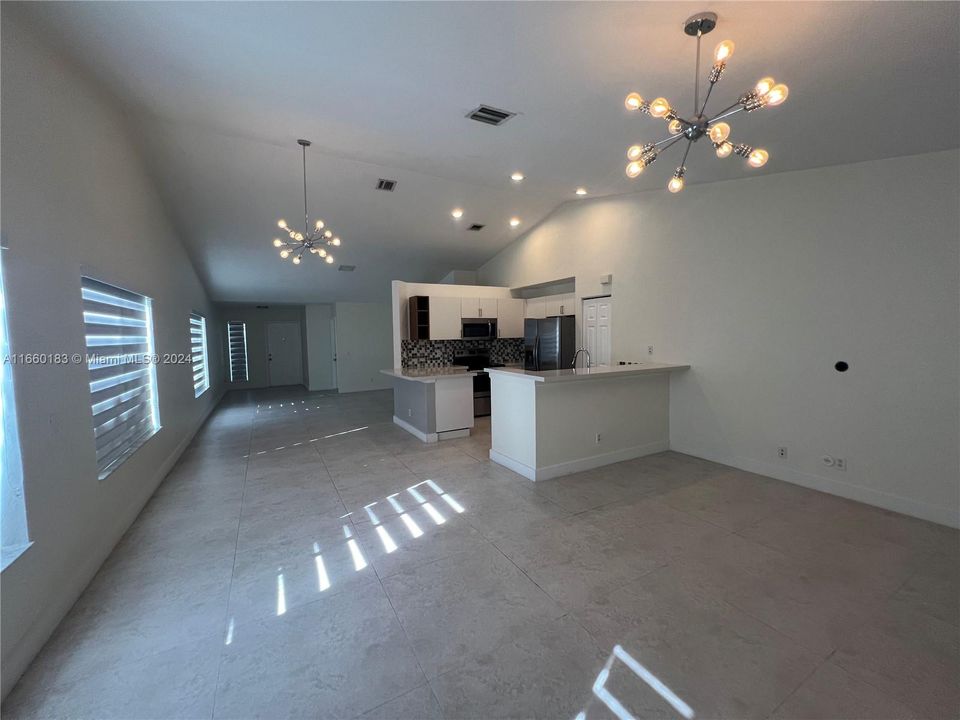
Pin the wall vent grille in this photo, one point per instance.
(386, 185)
(347, 268)
(476, 227)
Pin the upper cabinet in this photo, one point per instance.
(560, 305)
(535, 309)
(510, 314)
(445, 318)
(478, 307)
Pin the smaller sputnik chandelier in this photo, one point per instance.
(314, 239)
(766, 93)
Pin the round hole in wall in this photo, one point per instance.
(841, 366)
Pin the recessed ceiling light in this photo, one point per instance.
(514, 221)
(517, 177)
(581, 191)
(457, 213)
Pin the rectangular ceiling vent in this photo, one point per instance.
(386, 185)
(490, 115)
(476, 227)
(347, 268)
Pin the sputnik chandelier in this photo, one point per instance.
(315, 239)
(766, 93)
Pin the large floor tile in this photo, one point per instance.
(464, 605)
(718, 660)
(545, 670)
(417, 704)
(330, 659)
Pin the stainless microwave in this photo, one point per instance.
(478, 328)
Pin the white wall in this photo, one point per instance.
(318, 344)
(403, 291)
(363, 346)
(76, 199)
(762, 284)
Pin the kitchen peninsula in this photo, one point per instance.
(550, 423)
(433, 403)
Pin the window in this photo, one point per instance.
(198, 353)
(13, 513)
(237, 342)
(123, 377)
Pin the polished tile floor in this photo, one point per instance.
(306, 558)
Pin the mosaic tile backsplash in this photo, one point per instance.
(438, 353)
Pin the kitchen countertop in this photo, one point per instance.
(594, 373)
(429, 375)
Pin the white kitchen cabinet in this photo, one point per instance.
(444, 318)
(509, 318)
(560, 305)
(535, 308)
(478, 307)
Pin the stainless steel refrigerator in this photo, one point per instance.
(549, 343)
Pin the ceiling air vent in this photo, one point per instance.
(490, 115)
(386, 185)
(476, 227)
(347, 268)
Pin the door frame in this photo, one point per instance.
(267, 344)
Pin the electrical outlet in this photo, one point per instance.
(781, 452)
(649, 349)
(828, 460)
(598, 438)
(409, 412)
(840, 463)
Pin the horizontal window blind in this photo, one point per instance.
(198, 354)
(237, 342)
(123, 379)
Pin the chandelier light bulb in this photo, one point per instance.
(659, 107)
(296, 260)
(282, 223)
(634, 152)
(284, 254)
(723, 51)
(322, 253)
(517, 177)
(634, 169)
(724, 149)
(335, 241)
(758, 158)
(633, 101)
(514, 221)
(675, 127)
(675, 185)
(313, 250)
(581, 191)
(764, 85)
(319, 224)
(457, 213)
(329, 259)
(328, 234)
(719, 132)
(277, 242)
(778, 93)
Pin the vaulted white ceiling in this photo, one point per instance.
(219, 93)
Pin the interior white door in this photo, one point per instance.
(284, 353)
(597, 317)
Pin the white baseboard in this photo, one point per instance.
(888, 501)
(573, 466)
(425, 437)
(454, 434)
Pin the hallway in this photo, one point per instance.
(307, 558)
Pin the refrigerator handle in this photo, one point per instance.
(536, 353)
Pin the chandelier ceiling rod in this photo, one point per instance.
(306, 215)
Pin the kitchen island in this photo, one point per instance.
(433, 403)
(549, 423)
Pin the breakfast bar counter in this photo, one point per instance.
(433, 403)
(549, 423)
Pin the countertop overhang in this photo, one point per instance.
(429, 375)
(594, 373)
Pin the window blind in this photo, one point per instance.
(198, 354)
(237, 342)
(123, 379)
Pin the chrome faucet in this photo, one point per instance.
(577, 354)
